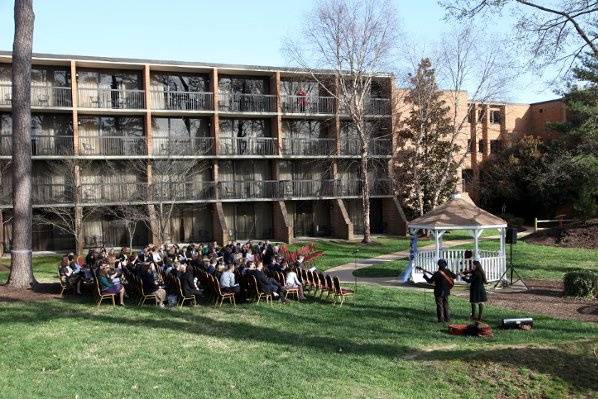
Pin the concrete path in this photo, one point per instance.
(345, 272)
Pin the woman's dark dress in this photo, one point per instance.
(477, 292)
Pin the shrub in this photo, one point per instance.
(581, 283)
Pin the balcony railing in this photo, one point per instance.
(376, 147)
(111, 98)
(308, 146)
(378, 106)
(52, 194)
(239, 102)
(41, 96)
(52, 97)
(380, 147)
(183, 191)
(140, 192)
(46, 145)
(307, 105)
(248, 146)
(182, 100)
(372, 107)
(186, 146)
(123, 192)
(112, 145)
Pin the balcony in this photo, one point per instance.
(102, 98)
(41, 96)
(307, 105)
(42, 194)
(248, 146)
(183, 191)
(376, 147)
(112, 145)
(380, 147)
(41, 145)
(308, 146)
(182, 101)
(378, 106)
(99, 193)
(183, 146)
(142, 193)
(239, 102)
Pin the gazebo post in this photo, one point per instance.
(438, 240)
(476, 239)
(502, 233)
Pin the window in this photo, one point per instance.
(495, 146)
(481, 146)
(470, 145)
(541, 110)
(481, 115)
(467, 176)
(495, 116)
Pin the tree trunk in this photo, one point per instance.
(1, 233)
(365, 194)
(79, 238)
(21, 272)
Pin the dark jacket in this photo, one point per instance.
(149, 283)
(188, 283)
(477, 291)
(441, 286)
(266, 284)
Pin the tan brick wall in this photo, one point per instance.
(543, 113)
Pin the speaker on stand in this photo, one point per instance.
(507, 278)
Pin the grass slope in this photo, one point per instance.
(545, 262)
(339, 252)
(387, 345)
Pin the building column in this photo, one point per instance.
(221, 233)
(215, 127)
(395, 220)
(154, 228)
(340, 221)
(283, 230)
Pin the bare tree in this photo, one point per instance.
(59, 213)
(355, 40)
(21, 271)
(554, 31)
(469, 61)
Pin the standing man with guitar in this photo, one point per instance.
(443, 280)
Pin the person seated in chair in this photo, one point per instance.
(188, 281)
(69, 276)
(107, 286)
(292, 281)
(150, 286)
(269, 285)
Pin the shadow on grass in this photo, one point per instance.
(577, 370)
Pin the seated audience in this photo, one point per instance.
(292, 281)
(108, 286)
(150, 285)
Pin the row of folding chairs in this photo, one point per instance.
(314, 281)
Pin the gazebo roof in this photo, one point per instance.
(457, 213)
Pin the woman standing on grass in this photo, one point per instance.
(477, 293)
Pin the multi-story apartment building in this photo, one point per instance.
(232, 152)
(493, 126)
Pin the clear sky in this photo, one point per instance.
(219, 31)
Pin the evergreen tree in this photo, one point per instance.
(424, 141)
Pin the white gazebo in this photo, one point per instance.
(459, 213)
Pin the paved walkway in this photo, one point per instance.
(345, 272)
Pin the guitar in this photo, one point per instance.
(449, 280)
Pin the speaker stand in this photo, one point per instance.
(510, 272)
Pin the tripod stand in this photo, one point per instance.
(510, 271)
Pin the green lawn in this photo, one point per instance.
(45, 268)
(386, 345)
(385, 269)
(339, 252)
(546, 262)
